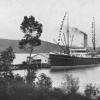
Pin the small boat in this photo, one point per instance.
(73, 58)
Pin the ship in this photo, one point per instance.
(73, 58)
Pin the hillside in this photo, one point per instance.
(45, 47)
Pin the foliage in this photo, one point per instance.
(29, 25)
(18, 79)
(57, 94)
(44, 81)
(6, 58)
(7, 76)
(27, 92)
(32, 77)
(76, 96)
(7, 81)
(29, 42)
(71, 84)
(91, 91)
(18, 90)
(32, 30)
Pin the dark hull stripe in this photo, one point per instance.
(65, 60)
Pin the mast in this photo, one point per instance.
(67, 51)
(68, 35)
(61, 27)
(60, 32)
(93, 34)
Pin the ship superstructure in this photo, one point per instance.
(74, 57)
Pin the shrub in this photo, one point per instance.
(44, 81)
(71, 84)
(91, 91)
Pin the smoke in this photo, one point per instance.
(76, 30)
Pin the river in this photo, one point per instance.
(86, 76)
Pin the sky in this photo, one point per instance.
(50, 13)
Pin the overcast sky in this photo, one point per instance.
(50, 14)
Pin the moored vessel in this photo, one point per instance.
(77, 57)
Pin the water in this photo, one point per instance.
(86, 76)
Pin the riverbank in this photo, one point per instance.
(86, 76)
(16, 88)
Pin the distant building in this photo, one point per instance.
(40, 60)
(43, 56)
(39, 56)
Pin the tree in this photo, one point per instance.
(31, 78)
(6, 58)
(32, 30)
(71, 84)
(44, 81)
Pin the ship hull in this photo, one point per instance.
(61, 61)
(68, 68)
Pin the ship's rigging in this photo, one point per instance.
(93, 34)
(65, 37)
(64, 42)
(76, 57)
(61, 27)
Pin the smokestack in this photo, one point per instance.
(85, 38)
(85, 41)
(76, 30)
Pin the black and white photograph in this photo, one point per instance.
(49, 50)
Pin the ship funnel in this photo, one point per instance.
(85, 40)
(76, 30)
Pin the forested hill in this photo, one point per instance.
(45, 47)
